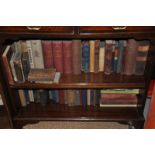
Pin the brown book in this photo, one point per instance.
(76, 59)
(96, 56)
(130, 57)
(62, 96)
(92, 56)
(67, 57)
(141, 58)
(41, 75)
(47, 54)
(6, 57)
(101, 56)
(70, 97)
(58, 56)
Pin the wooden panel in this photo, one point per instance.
(102, 29)
(89, 80)
(63, 112)
(34, 29)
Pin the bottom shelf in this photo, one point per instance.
(36, 112)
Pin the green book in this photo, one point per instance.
(122, 91)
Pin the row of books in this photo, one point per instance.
(82, 97)
(75, 56)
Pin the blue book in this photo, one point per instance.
(120, 56)
(85, 56)
(55, 96)
(84, 97)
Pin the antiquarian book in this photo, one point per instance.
(101, 56)
(92, 97)
(47, 53)
(108, 57)
(54, 96)
(58, 56)
(88, 97)
(96, 56)
(41, 75)
(22, 97)
(70, 97)
(27, 96)
(43, 97)
(97, 96)
(121, 91)
(141, 58)
(92, 56)
(67, 57)
(85, 56)
(37, 54)
(84, 97)
(62, 96)
(115, 57)
(76, 59)
(25, 64)
(6, 57)
(130, 57)
(77, 97)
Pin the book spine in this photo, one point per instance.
(22, 97)
(96, 56)
(37, 54)
(31, 95)
(70, 97)
(85, 56)
(76, 59)
(61, 97)
(101, 56)
(77, 97)
(116, 51)
(43, 97)
(88, 97)
(92, 97)
(92, 56)
(58, 56)
(84, 97)
(67, 57)
(47, 54)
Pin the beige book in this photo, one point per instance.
(88, 97)
(70, 97)
(101, 57)
(92, 56)
(37, 54)
(23, 45)
(22, 97)
(31, 95)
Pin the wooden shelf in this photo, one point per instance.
(89, 80)
(36, 112)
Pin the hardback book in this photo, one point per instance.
(6, 57)
(121, 91)
(22, 97)
(130, 57)
(97, 96)
(108, 57)
(141, 58)
(31, 95)
(96, 56)
(27, 96)
(101, 56)
(67, 57)
(92, 97)
(88, 97)
(23, 46)
(85, 56)
(92, 56)
(62, 96)
(70, 97)
(77, 97)
(58, 56)
(43, 97)
(37, 96)
(37, 54)
(54, 96)
(77, 54)
(47, 53)
(84, 97)
(41, 75)
(115, 57)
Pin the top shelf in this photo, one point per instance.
(89, 80)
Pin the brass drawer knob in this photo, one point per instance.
(119, 27)
(33, 28)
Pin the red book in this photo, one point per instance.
(150, 89)
(61, 96)
(47, 54)
(58, 56)
(67, 57)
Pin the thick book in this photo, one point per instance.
(130, 57)
(67, 57)
(58, 56)
(101, 56)
(37, 54)
(141, 58)
(6, 57)
(47, 54)
(85, 56)
(108, 57)
(92, 56)
(121, 91)
(76, 59)
(96, 56)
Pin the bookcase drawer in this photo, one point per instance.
(50, 29)
(102, 29)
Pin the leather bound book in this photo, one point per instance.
(141, 58)
(58, 56)
(37, 54)
(47, 53)
(92, 56)
(96, 56)
(85, 56)
(43, 97)
(6, 57)
(61, 97)
(77, 97)
(130, 57)
(101, 56)
(67, 57)
(70, 97)
(84, 97)
(108, 57)
(76, 59)
(88, 97)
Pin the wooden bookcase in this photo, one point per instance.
(33, 113)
